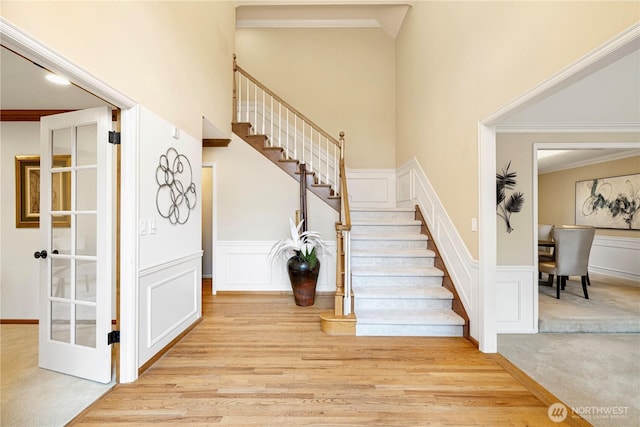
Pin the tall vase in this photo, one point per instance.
(303, 280)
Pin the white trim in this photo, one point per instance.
(618, 45)
(24, 44)
(28, 46)
(616, 257)
(600, 159)
(487, 251)
(129, 244)
(515, 290)
(371, 188)
(413, 187)
(568, 127)
(243, 266)
(214, 220)
(174, 262)
(615, 47)
(307, 23)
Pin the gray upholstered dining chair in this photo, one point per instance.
(545, 232)
(573, 246)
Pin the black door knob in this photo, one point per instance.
(42, 254)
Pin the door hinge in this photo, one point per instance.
(114, 137)
(113, 337)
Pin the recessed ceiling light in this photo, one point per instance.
(53, 78)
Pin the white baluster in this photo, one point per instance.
(271, 136)
(239, 96)
(279, 124)
(326, 159)
(264, 105)
(246, 104)
(255, 106)
(302, 143)
(287, 124)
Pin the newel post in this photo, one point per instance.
(338, 303)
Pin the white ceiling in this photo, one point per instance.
(23, 87)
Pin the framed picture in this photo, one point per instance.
(28, 191)
(612, 202)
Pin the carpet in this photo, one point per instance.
(611, 308)
(34, 397)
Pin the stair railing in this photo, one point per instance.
(303, 140)
(344, 307)
(286, 127)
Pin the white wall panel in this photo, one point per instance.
(371, 188)
(616, 256)
(516, 299)
(243, 266)
(170, 301)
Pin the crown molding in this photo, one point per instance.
(307, 23)
(569, 127)
(601, 159)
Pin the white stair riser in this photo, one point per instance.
(409, 330)
(396, 280)
(358, 261)
(382, 215)
(387, 228)
(401, 303)
(386, 244)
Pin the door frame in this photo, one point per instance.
(487, 259)
(24, 44)
(214, 220)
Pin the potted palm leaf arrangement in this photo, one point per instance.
(303, 265)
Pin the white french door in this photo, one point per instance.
(76, 234)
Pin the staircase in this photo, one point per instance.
(397, 289)
(291, 166)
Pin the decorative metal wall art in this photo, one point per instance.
(176, 195)
(612, 202)
(506, 206)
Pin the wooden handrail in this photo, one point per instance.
(239, 69)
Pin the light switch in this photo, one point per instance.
(152, 226)
(142, 227)
(474, 224)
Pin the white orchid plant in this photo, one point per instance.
(306, 245)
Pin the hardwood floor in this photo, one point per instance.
(259, 360)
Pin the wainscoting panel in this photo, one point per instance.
(169, 302)
(413, 188)
(616, 256)
(516, 300)
(371, 188)
(243, 266)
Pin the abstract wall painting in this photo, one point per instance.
(612, 202)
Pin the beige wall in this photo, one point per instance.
(341, 78)
(458, 62)
(516, 248)
(556, 191)
(173, 57)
